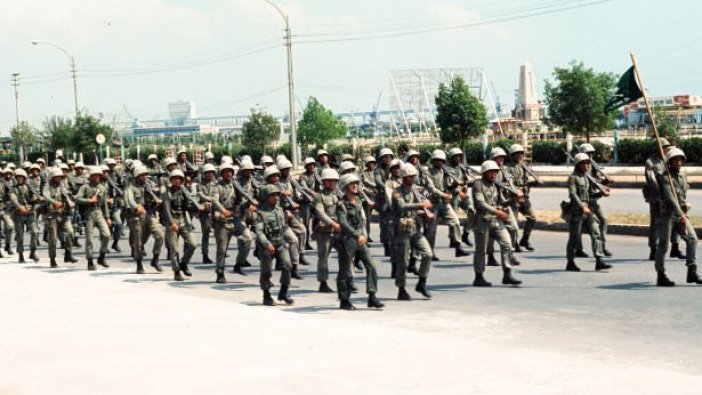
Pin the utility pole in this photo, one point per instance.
(75, 84)
(15, 84)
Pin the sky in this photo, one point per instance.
(228, 55)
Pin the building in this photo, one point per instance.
(528, 109)
(685, 109)
(180, 112)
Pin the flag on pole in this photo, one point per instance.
(628, 90)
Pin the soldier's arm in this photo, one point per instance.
(341, 214)
(13, 199)
(129, 200)
(46, 194)
(320, 212)
(668, 196)
(104, 207)
(261, 237)
(573, 191)
(167, 209)
(481, 204)
(82, 196)
(216, 204)
(403, 206)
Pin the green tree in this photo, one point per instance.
(23, 135)
(667, 125)
(260, 130)
(318, 125)
(460, 115)
(86, 128)
(577, 98)
(58, 133)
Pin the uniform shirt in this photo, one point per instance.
(325, 207)
(520, 177)
(351, 217)
(487, 198)
(55, 193)
(578, 190)
(87, 191)
(175, 205)
(21, 196)
(671, 205)
(368, 182)
(270, 225)
(309, 181)
(654, 169)
(77, 182)
(438, 183)
(405, 202)
(206, 192)
(134, 196)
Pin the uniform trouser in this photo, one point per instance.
(667, 224)
(116, 217)
(527, 211)
(224, 232)
(9, 224)
(172, 243)
(325, 243)
(53, 224)
(654, 210)
(511, 225)
(344, 278)
(155, 228)
(148, 224)
(300, 230)
(496, 230)
(598, 212)
(575, 225)
(467, 207)
(306, 218)
(22, 224)
(405, 243)
(206, 229)
(283, 259)
(385, 218)
(293, 246)
(444, 212)
(367, 210)
(76, 220)
(95, 219)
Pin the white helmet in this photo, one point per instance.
(22, 173)
(34, 166)
(348, 179)
(265, 159)
(152, 157)
(170, 161)
(245, 165)
(209, 155)
(284, 164)
(586, 148)
(182, 150)
(581, 157)
(395, 163)
(62, 166)
(488, 165)
(497, 152)
(56, 172)
(208, 167)
(368, 159)
(515, 148)
(80, 165)
(227, 166)
(386, 151)
(270, 170)
(176, 173)
(330, 174)
(455, 151)
(7, 170)
(410, 154)
(322, 152)
(110, 161)
(674, 152)
(228, 159)
(346, 166)
(139, 171)
(438, 155)
(310, 161)
(95, 171)
(408, 170)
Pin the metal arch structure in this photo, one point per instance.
(412, 93)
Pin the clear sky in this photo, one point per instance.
(227, 55)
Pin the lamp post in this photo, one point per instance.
(291, 103)
(73, 69)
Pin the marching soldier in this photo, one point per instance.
(392, 182)
(155, 169)
(176, 204)
(308, 180)
(490, 218)
(594, 203)
(370, 188)
(115, 192)
(322, 161)
(93, 198)
(206, 190)
(79, 179)
(383, 203)
(351, 219)
(504, 178)
(58, 216)
(673, 218)
(579, 191)
(327, 229)
(24, 198)
(183, 164)
(6, 187)
(406, 205)
(292, 195)
(520, 176)
(461, 197)
(271, 223)
(143, 204)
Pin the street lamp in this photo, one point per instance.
(291, 103)
(73, 69)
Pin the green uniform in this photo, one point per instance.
(308, 180)
(58, 219)
(371, 189)
(20, 196)
(226, 197)
(383, 202)
(95, 215)
(75, 183)
(520, 180)
(443, 211)
(270, 227)
(175, 208)
(405, 209)
(352, 219)
(325, 211)
(296, 223)
(672, 210)
(135, 195)
(205, 192)
(488, 199)
(6, 211)
(579, 193)
(462, 180)
(115, 193)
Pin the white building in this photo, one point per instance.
(181, 111)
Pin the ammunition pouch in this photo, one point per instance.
(406, 225)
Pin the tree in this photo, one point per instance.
(58, 133)
(23, 135)
(318, 125)
(460, 115)
(666, 124)
(577, 98)
(86, 128)
(260, 130)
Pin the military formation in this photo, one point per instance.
(276, 216)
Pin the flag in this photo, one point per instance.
(628, 90)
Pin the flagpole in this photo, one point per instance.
(653, 123)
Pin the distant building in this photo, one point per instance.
(180, 112)
(528, 110)
(685, 109)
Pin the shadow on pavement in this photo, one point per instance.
(629, 286)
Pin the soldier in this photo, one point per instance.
(327, 229)
(176, 204)
(171, 164)
(6, 187)
(24, 198)
(270, 227)
(520, 176)
(441, 187)
(461, 197)
(322, 161)
(308, 180)
(382, 201)
(351, 219)
(504, 179)
(184, 164)
(235, 211)
(393, 182)
(673, 218)
(143, 204)
(370, 188)
(594, 203)
(58, 216)
(579, 191)
(291, 194)
(206, 190)
(115, 192)
(93, 198)
(490, 218)
(406, 203)
(155, 169)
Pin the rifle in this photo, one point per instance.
(589, 176)
(245, 194)
(429, 215)
(33, 190)
(307, 194)
(531, 173)
(600, 171)
(114, 187)
(67, 197)
(287, 198)
(190, 197)
(148, 188)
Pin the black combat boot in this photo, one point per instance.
(357, 263)
(601, 265)
(492, 261)
(184, 268)
(402, 294)
(238, 269)
(369, 240)
(386, 249)
(345, 304)
(422, 287)
(220, 277)
(115, 246)
(525, 243)
(155, 264)
(284, 296)
(53, 264)
(374, 302)
(33, 256)
(466, 239)
(581, 254)
(101, 260)
(480, 281)
(462, 250)
(435, 258)
(663, 280)
(308, 247)
(325, 288)
(76, 242)
(140, 267)
(393, 270)
(675, 251)
(412, 267)
(294, 273)
(206, 259)
(517, 248)
(8, 249)
(571, 266)
(509, 279)
(303, 261)
(268, 299)
(652, 254)
(69, 258)
(246, 264)
(91, 265)
(606, 252)
(177, 276)
(454, 244)
(692, 276)
(21, 258)
(513, 260)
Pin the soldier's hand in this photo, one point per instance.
(226, 213)
(446, 197)
(288, 215)
(270, 250)
(362, 240)
(93, 199)
(682, 221)
(295, 206)
(159, 202)
(462, 195)
(109, 222)
(23, 210)
(140, 211)
(174, 227)
(371, 204)
(501, 215)
(58, 204)
(425, 204)
(336, 228)
(287, 193)
(587, 212)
